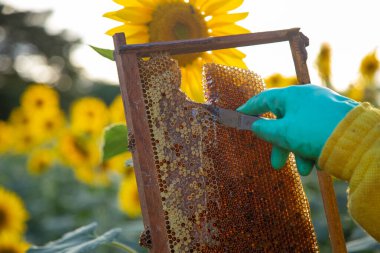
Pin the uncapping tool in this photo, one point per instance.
(231, 118)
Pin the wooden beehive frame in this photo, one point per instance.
(126, 57)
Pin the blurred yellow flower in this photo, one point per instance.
(356, 91)
(24, 140)
(364, 89)
(40, 160)
(12, 213)
(6, 137)
(277, 80)
(89, 115)
(323, 64)
(118, 163)
(128, 197)
(166, 20)
(32, 128)
(78, 151)
(19, 118)
(369, 65)
(48, 125)
(12, 243)
(94, 176)
(117, 110)
(39, 98)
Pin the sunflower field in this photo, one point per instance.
(57, 170)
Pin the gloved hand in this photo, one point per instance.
(306, 117)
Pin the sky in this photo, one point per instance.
(350, 27)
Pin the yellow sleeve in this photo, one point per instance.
(352, 153)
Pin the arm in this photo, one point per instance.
(352, 153)
(319, 125)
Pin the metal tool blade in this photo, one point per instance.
(231, 118)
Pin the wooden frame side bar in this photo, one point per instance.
(208, 44)
(298, 44)
(143, 161)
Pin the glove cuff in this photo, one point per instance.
(353, 136)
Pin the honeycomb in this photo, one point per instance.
(218, 190)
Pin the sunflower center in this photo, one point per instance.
(371, 67)
(177, 21)
(3, 219)
(39, 102)
(81, 149)
(49, 125)
(8, 250)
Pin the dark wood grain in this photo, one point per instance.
(297, 44)
(207, 44)
(145, 170)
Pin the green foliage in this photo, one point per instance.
(80, 240)
(58, 203)
(115, 141)
(352, 231)
(363, 244)
(107, 53)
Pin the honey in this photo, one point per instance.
(218, 190)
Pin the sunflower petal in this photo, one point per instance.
(185, 87)
(138, 38)
(198, 3)
(198, 87)
(221, 6)
(128, 30)
(134, 15)
(207, 58)
(226, 19)
(224, 57)
(192, 83)
(233, 52)
(148, 3)
(228, 30)
(128, 3)
(112, 15)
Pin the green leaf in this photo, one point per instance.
(115, 141)
(107, 53)
(80, 240)
(362, 244)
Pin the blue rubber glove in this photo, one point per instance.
(306, 117)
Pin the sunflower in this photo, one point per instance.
(78, 151)
(89, 116)
(31, 129)
(39, 98)
(323, 64)
(93, 176)
(128, 196)
(117, 110)
(369, 65)
(40, 160)
(12, 213)
(165, 20)
(356, 91)
(6, 138)
(118, 163)
(24, 140)
(12, 243)
(277, 80)
(47, 126)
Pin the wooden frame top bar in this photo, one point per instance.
(208, 44)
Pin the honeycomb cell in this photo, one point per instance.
(218, 190)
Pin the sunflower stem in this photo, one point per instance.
(123, 247)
